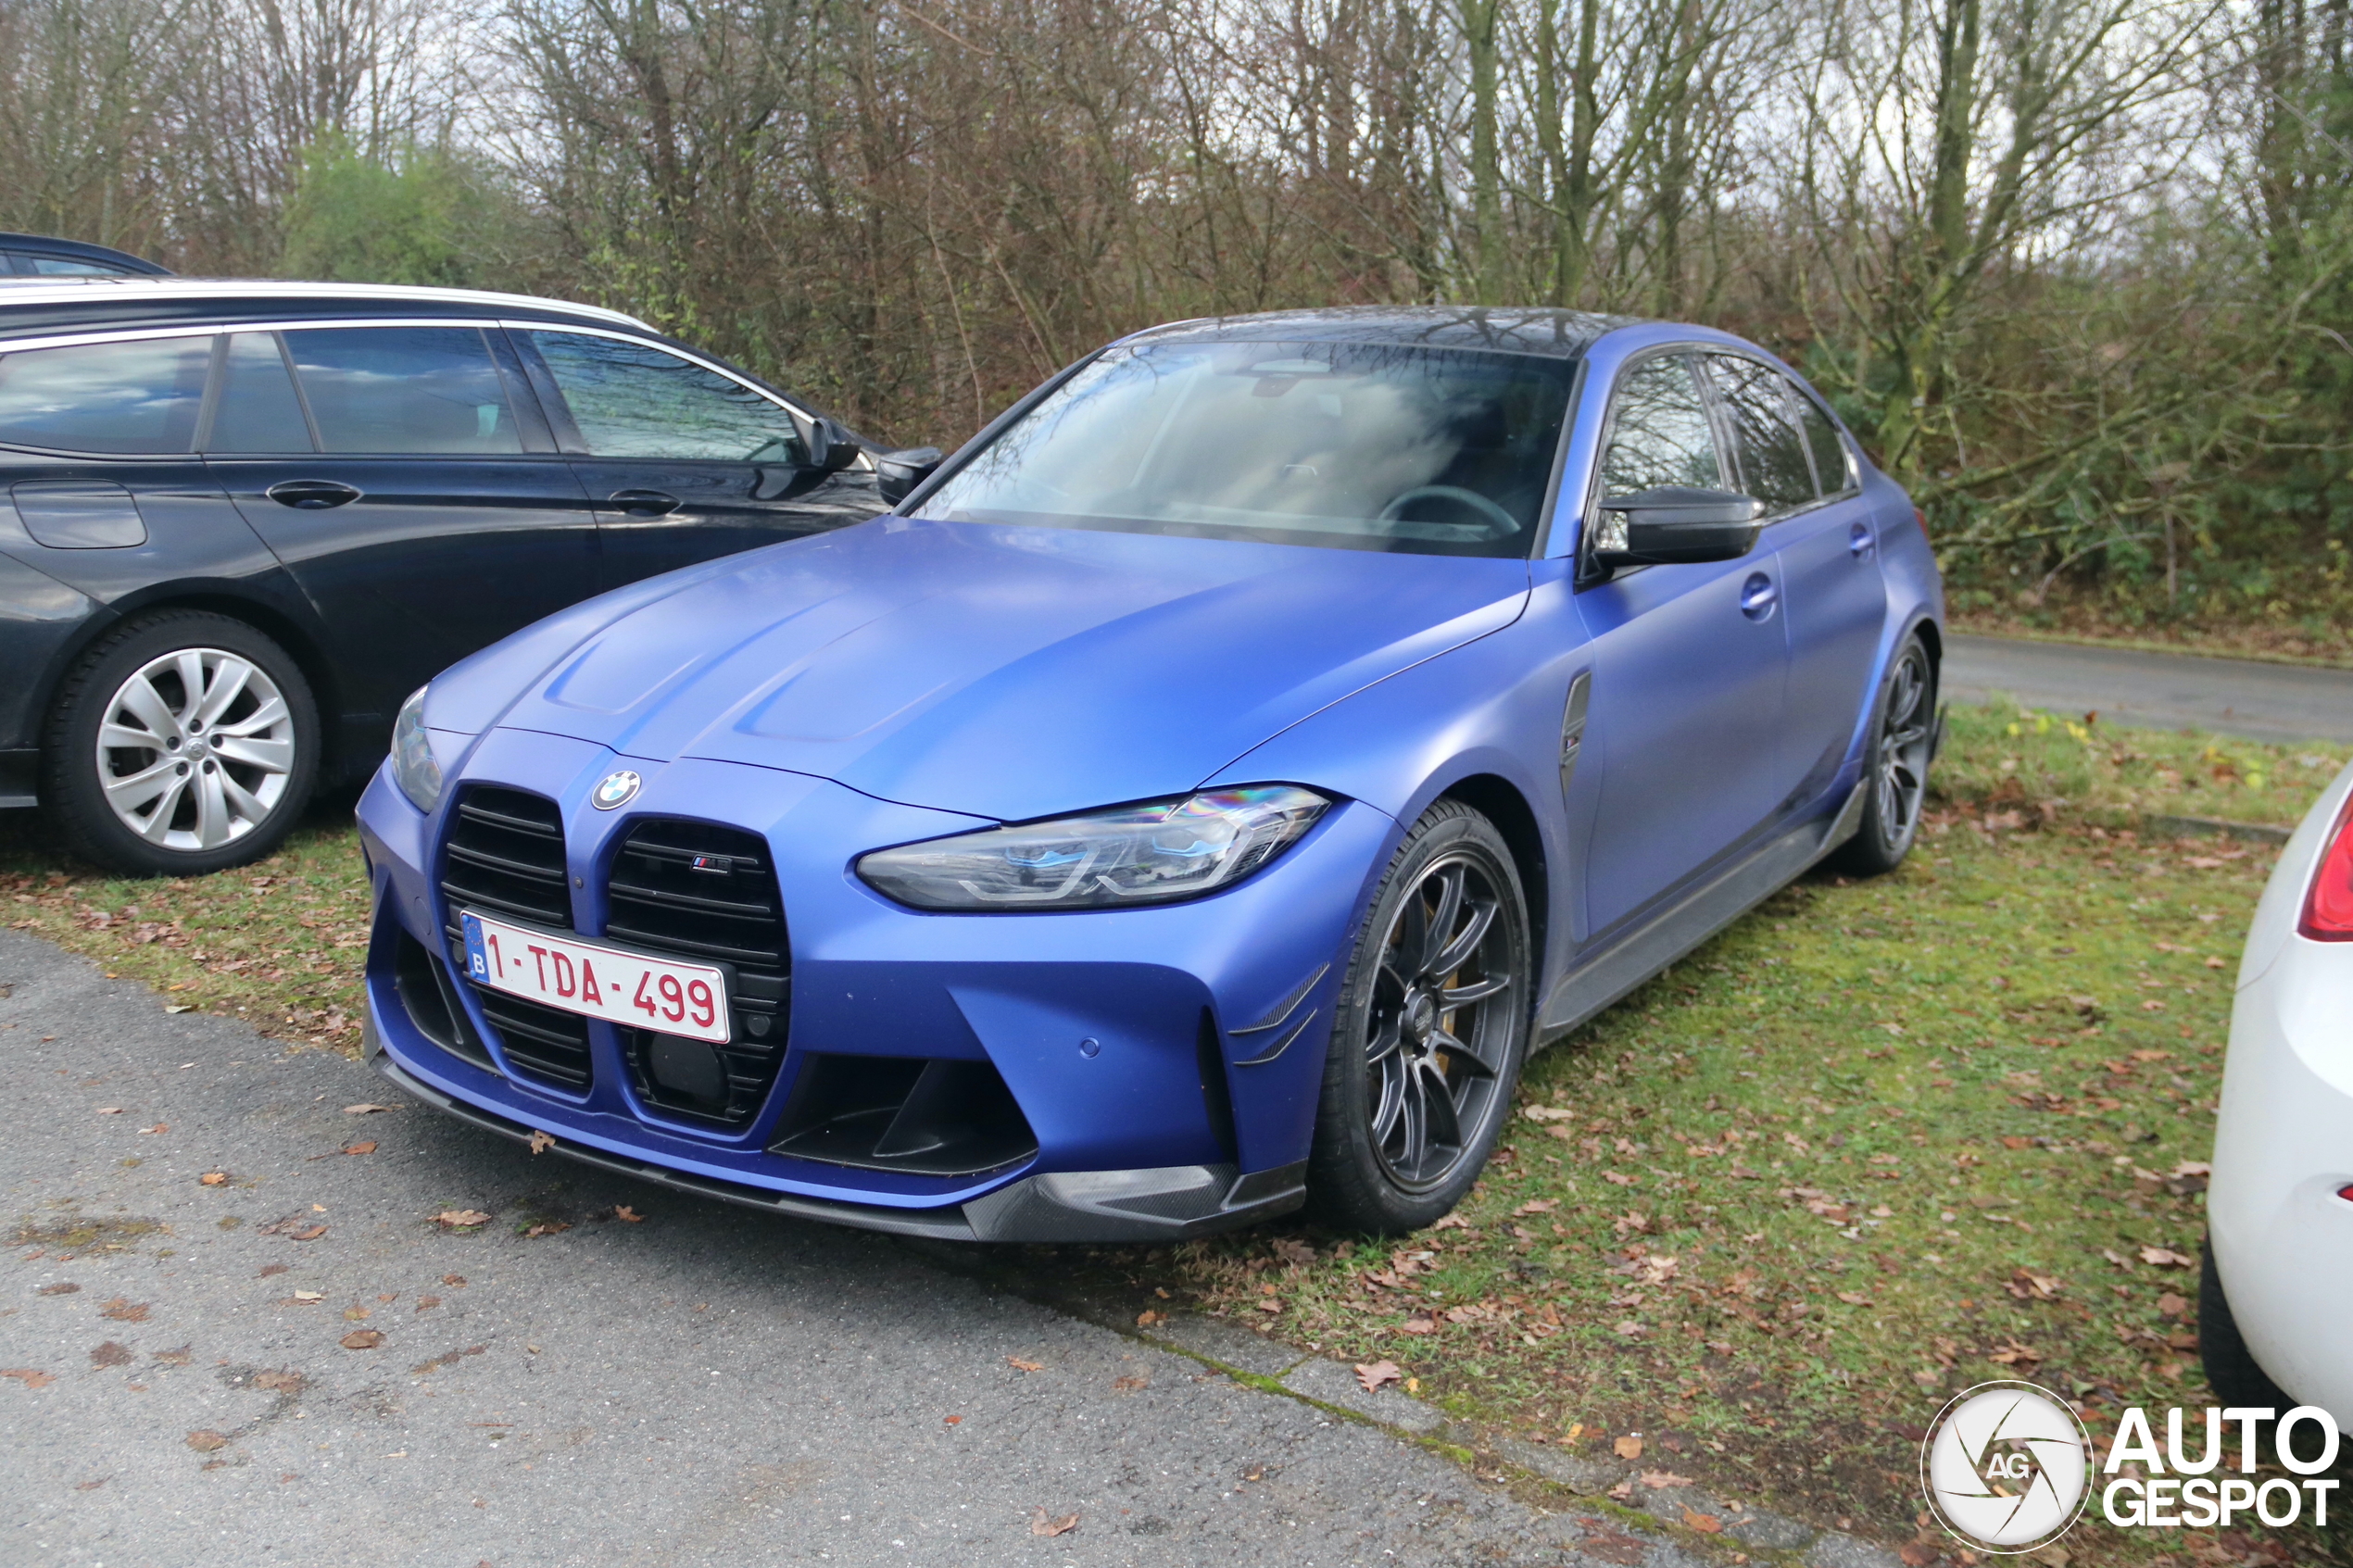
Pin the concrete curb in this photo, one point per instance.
(1332, 1385)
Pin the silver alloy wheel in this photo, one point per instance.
(1906, 732)
(195, 749)
(1443, 1013)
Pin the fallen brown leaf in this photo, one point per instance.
(111, 1353)
(362, 1339)
(364, 1147)
(427, 1303)
(1041, 1526)
(268, 1269)
(109, 1110)
(460, 1218)
(214, 1178)
(308, 1232)
(206, 1442)
(1145, 1320)
(1707, 1524)
(2172, 1306)
(1659, 1480)
(2164, 1258)
(1538, 1206)
(180, 1357)
(1418, 1325)
(29, 1377)
(448, 1358)
(63, 1287)
(281, 1382)
(625, 1212)
(366, 1109)
(1628, 1447)
(541, 1142)
(122, 1310)
(1020, 1365)
(355, 1315)
(1376, 1375)
(455, 1282)
(546, 1227)
(1129, 1384)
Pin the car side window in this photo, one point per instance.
(404, 390)
(67, 266)
(1759, 408)
(1833, 471)
(634, 400)
(137, 396)
(1659, 432)
(256, 409)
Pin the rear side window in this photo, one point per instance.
(404, 390)
(1759, 406)
(1659, 434)
(258, 409)
(1830, 452)
(633, 400)
(66, 266)
(138, 397)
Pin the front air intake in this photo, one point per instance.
(706, 894)
(925, 1116)
(505, 856)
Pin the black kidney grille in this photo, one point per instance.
(706, 894)
(504, 855)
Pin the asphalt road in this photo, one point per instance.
(708, 1386)
(2166, 691)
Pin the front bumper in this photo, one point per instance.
(1134, 1042)
(2282, 1237)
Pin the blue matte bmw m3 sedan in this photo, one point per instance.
(1190, 802)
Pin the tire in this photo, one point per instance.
(1895, 762)
(2231, 1371)
(1415, 1090)
(171, 804)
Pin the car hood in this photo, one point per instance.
(1003, 672)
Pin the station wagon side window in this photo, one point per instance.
(256, 408)
(1760, 411)
(136, 396)
(431, 391)
(634, 400)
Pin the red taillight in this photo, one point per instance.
(1921, 518)
(2328, 907)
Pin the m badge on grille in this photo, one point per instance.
(615, 790)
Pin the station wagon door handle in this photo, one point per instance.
(1758, 595)
(1858, 540)
(644, 503)
(312, 495)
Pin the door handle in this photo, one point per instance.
(1758, 595)
(644, 503)
(1859, 541)
(311, 494)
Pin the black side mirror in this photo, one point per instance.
(898, 473)
(1676, 525)
(831, 448)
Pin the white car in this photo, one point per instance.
(2279, 1251)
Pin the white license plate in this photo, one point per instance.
(597, 981)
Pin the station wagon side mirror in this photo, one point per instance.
(831, 446)
(1676, 525)
(898, 473)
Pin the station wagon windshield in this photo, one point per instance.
(1362, 446)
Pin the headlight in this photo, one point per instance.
(414, 767)
(1146, 854)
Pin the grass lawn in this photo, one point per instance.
(1878, 1141)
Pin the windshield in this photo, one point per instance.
(1354, 445)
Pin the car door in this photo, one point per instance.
(685, 461)
(1826, 549)
(405, 478)
(1688, 669)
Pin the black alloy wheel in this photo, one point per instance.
(1895, 763)
(1432, 1025)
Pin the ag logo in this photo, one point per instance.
(2005, 1466)
(615, 790)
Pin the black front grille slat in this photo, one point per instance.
(505, 855)
(706, 894)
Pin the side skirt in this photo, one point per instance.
(1642, 952)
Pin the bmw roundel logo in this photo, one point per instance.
(615, 790)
